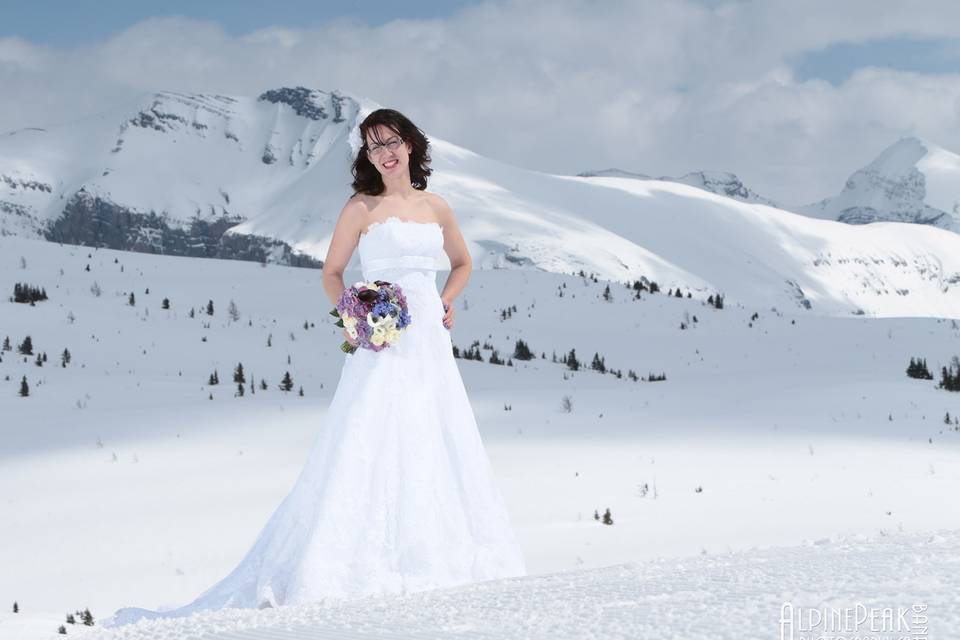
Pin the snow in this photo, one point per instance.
(124, 485)
(708, 596)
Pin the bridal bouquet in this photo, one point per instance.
(373, 313)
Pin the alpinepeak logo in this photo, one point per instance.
(858, 622)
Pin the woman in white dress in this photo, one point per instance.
(397, 494)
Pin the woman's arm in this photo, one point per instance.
(346, 234)
(461, 264)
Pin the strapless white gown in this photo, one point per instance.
(397, 494)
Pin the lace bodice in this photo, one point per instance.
(399, 246)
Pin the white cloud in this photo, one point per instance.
(660, 87)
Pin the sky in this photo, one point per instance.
(792, 97)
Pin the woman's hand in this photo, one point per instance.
(347, 337)
(448, 313)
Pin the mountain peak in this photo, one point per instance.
(912, 180)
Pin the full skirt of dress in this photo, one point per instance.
(397, 494)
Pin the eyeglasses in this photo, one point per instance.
(392, 144)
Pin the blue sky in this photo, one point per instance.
(65, 23)
(836, 62)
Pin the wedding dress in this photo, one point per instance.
(397, 494)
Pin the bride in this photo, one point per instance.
(397, 494)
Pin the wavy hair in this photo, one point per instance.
(366, 178)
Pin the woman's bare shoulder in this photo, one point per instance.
(441, 208)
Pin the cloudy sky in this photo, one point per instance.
(792, 96)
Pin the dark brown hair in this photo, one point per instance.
(366, 178)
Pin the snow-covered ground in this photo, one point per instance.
(731, 595)
(125, 485)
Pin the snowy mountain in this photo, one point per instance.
(175, 173)
(722, 183)
(912, 180)
(264, 179)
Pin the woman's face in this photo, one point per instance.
(391, 155)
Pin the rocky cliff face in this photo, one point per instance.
(91, 220)
(206, 175)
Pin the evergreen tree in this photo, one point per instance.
(918, 369)
(6, 344)
(165, 304)
(26, 347)
(16, 607)
(131, 300)
(210, 308)
(287, 383)
(949, 379)
(238, 374)
(607, 518)
(24, 387)
(240, 389)
(606, 294)
(65, 358)
(598, 363)
(87, 617)
(571, 360)
(521, 351)
(263, 384)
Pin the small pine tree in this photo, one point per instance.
(596, 516)
(607, 518)
(240, 389)
(571, 360)
(24, 387)
(598, 363)
(63, 630)
(131, 300)
(232, 311)
(521, 351)
(238, 374)
(165, 304)
(26, 347)
(263, 384)
(87, 617)
(210, 308)
(16, 607)
(301, 392)
(287, 383)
